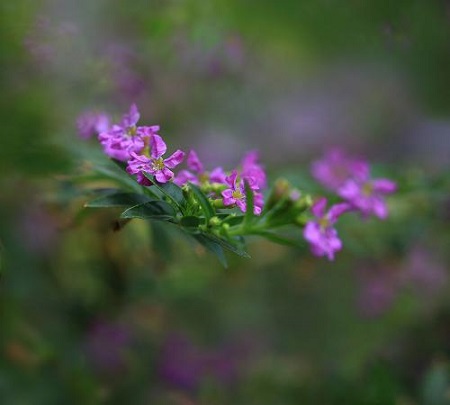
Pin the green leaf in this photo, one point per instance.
(206, 206)
(227, 245)
(119, 200)
(213, 247)
(121, 165)
(191, 222)
(151, 210)
(281, 240)
(249, 198)
(112, 172)
(170, 190)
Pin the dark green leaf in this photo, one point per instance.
(191, 222)
(151, 210)
(213, 247)
(170, 190)
(119, 200)
(227, 245)
(206, 206)
(281, 240)
(249, 198)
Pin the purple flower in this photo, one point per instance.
(367, 195)
(252, 169)
(107, 345)
(320, 232)
(155, 165)
(197, 174)
(92, 123)
(235, 194)
(186, 366)
(121, 140)
(335, 168)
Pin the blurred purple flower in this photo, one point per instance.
(377, 292)
(38, 230)
(121, 60)
(320, 232)
(423, 271)
(186, 366)
(122, 139)
(106, 346)
(336, 167)
(196, 173)
(367, 195)
(92, 123)
(252, 169)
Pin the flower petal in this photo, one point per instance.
(384, 186)
(164, 175)
(193, 162)
(175, 159)
(318, 208)
(158, 146)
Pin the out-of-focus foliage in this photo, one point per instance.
(94, 311)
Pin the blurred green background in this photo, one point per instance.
(141, 316)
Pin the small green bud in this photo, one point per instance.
(304, 203)
(301, 220)
(280, 191)
(215, 221)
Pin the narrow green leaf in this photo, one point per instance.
(112, 172)
(227, 245)
(191, 222)
(121, 165)
(213, 247)
(249, 198)
(150, 210)
(170, 190)
(281, 240)
(119, 200)
(206, 206)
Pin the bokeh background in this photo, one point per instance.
(89, 315)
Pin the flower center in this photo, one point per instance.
(158, 164)
(367, 189)
(131, 131)
(323, 223)
(237, 195)
(203, 178)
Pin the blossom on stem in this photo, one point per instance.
(320, 232)
(251, 168)
(336, 167)
(122, 139)
(155, 164)
(90, 123)
(367, 195)
(197, 174)
(235, 194)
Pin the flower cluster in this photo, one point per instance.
(350, 179)
(208, 195)
(143, 149)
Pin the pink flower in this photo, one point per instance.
(320, 232)
(235, 194)
(367, 195)
(251, 168)
(197, 174)
(155, 164)
(121, 140)
(335, 168)
(90, 123)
